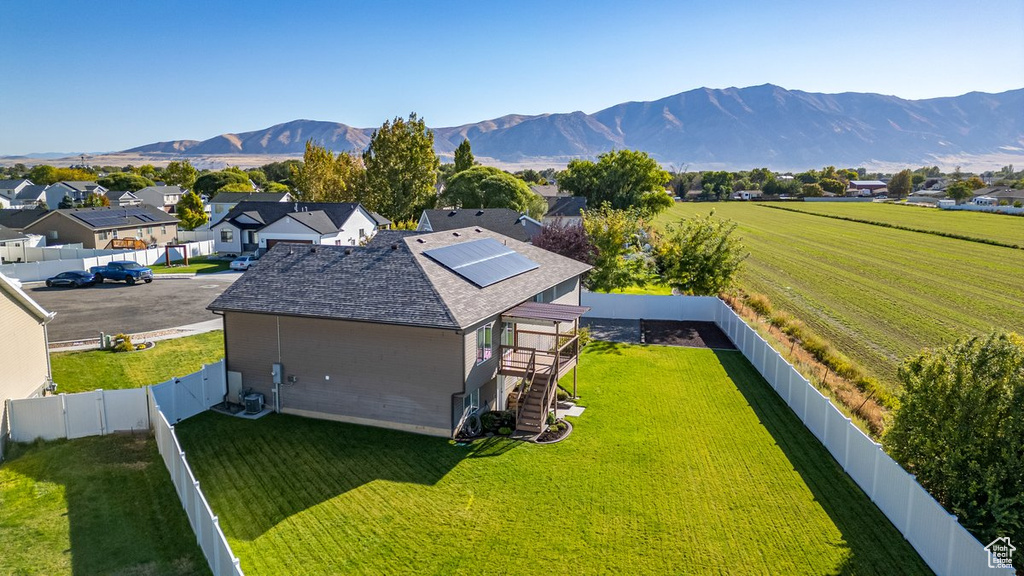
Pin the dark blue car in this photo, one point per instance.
(73, 279)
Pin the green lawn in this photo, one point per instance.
(100, 505)
(877, 294)
(685, 462)
(199, 265)
(83, 371)
(652, 289)
(995, 227)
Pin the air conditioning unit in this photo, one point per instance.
(253, 403)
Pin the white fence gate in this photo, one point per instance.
(946, 546)
(106, 411)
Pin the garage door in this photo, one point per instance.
(271, 243)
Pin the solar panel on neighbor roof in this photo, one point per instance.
(482, 262)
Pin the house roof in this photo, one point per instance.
(236, 197)
(20, 218)
(8, 234)
(108, 217)
(856, 183)
(12, 184)
(379, 220)
(80, 185)
(330, 218)
(545, 190)
(566, 206)
(162, 190)
(31, 192)
(118, 194)
(14, 292)
(389, 281)
(504, 221)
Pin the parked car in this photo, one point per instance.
(242, 262)
(129, 272)
(72, 278)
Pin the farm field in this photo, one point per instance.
(994, 227)
(100, 505)
(877, 294)
(85, 371)
(685, 462)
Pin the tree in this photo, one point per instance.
(655, 201)
(975, 183)
(276, 187)
(124, 181)
(464, 156)
(621, 249)
(488, 187)
(280, 171)
(832, 185)
(182, 174)
(211, 182)
(257, 176)
(324, 177)
(96, 200)
(66, 202)
(761, 176)
(717, 185)
(959, 191)
(699, 256)
(783, 188)
(620, 178)
(959, 428)
(190, 211)
(236, 187)
(902, 183)
(146, 171)
(45, 175)
(401, 169)
(812, 190)
(569, 240)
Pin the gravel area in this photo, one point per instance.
(610, 330)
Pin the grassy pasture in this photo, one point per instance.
(685, 462)
(878, 294)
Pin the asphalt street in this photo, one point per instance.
(114, 307)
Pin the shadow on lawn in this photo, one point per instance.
(874, 543)
(603, 347)
(257, 473)
(123, 514)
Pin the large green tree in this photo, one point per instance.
(901, 183)
(96, 200)
(959, 428)
(124, 181)
(716, 185)
(182, 174)
(401, 169)
(190, 211)
(621, 256)
(959, 191)
(325, 177)
(210, 183)
(464, 156)
(700, 256)
(488, 187)
(620, 177)
(44, 174)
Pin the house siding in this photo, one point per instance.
(393, 376)
(68, 231)
(25, 366)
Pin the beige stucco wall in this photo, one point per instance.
(392, 376)
(23, 355)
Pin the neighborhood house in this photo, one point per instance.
(505, 221)
(412, 331)
(132, 227)
(257, 226)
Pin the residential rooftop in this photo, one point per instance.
(504, 221)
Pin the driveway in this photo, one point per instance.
(114, 307)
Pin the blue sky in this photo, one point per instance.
(101, 76)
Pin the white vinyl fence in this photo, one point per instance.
(943, 544)
(155, 407)
(52, 261)
(976, 208)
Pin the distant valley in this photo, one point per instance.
(705, 128)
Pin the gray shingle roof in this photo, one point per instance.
(234, 197)
(115, 195)
(8, 234)
(32, 192)
(12, 184)
(566, 206)
(108, 217)
(504, 221)
(330, 214)
(81, 185)
(379, 220)
(20, 218)
(388, 281)
(317, 220)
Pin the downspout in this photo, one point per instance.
(277, 385)
(46, 339)
(454, 423)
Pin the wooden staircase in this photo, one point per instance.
(536, 392)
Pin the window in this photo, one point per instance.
(483, 343)
(51, 234)
(163, 229)
(149, 230)
(103, 235)
(362, 233)
(226, 235)
(114, 232)
(507, 334)
(471, 402)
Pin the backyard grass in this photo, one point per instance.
(100, 505)
(685, 462)
(84, 371)
(198, 265)
(877, 294)
(652, 289)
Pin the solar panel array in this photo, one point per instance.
(482, 262)
(114, 216)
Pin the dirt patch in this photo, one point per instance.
(689, 334)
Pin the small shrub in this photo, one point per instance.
(562, 395)
(551, 418)
(1018, 204)
(123, 343)
(780, 319)
(490, 421)
(795, 329)
(584, 335)
(505, 431)
(760, 304)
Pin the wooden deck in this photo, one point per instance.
(514, 362)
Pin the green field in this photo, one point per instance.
(100, 505)
(994, 227)
(685, 462)
(84, 371)
(877, 294)
(199, 265)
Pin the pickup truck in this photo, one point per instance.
(130, 272)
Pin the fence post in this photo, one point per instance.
(874, 473)
(949, 544)
(198, 513)
(910, 504)
(824, 424)
(64, 410)
(807, 398)
(846, 446)
(216, 546)
(102, 411)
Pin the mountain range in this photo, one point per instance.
(734, 127)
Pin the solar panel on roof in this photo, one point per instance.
(482, 262)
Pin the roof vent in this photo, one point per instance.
(394, 246)
(421, 240)
(312, 249)
(456, 234)
(348, 250)
(479, 230)
(479, 212)
(453, 212)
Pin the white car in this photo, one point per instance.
(242, 262)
